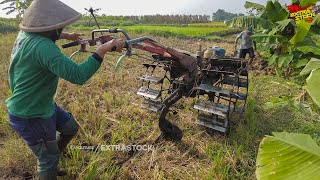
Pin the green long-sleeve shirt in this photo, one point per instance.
(35, 67)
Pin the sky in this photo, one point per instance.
(148, 7)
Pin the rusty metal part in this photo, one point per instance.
(222, 82)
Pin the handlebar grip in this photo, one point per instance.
(74, 43)
(113, 30)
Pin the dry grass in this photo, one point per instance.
(109, 112)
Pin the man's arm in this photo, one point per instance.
(70, 36)
(237, 38)
(52, 59)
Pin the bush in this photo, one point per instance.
(8, 25)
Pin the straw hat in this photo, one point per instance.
(47, 15)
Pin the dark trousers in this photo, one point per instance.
(244, 52)
(46, 138)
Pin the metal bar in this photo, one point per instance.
(111, 30)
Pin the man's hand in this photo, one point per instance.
(71, 36)
(107, 47)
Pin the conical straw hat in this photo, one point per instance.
(47, 15)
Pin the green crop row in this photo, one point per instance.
(194, 31)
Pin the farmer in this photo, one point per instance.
(36, 65)
(246, 46)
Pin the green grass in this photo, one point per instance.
(109, 112)
(187, 31)
(205, 30)
(8, 25)
(211, 31)
(212, 24)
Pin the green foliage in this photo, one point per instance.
(302, 32)
(222, 15)
(273, 59)
(316, 20)
(309, 49)
(18, 6)
(276, 12)
(279, 102)
(290, 46)
(194, 30)
(249, 21)
(179, 20)
(282, 25)
(313, 64)
(288, 156)
(313, 86)
(284, 60)
(270, 39)
(120, 60)
(302, 63)
(304, 3)
(8, 25)
(254, 6)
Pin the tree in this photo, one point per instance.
(222, 15)
(18, 6)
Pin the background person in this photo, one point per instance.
(246, 46)
(36, 65)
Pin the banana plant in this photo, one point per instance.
(288, 156)
(313, 84)
(287, 44)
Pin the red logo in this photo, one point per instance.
(301, 13)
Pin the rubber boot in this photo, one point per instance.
(63, 141)
(47, 155)
(66, 133)
(48, 176)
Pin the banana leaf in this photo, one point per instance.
(309, 49)
(313, 87)
(302, 32)
(281, 25)
(316, 20)
(314, 64)
(249, 21)
(304, 3)
(284, 60)
(273, 59)
(308, 41)
(271, 39)
(302, 63)
(254, 6)
(276, 12)
(288, 156)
